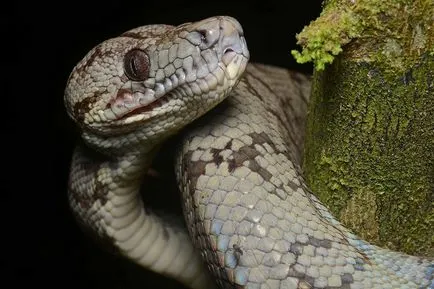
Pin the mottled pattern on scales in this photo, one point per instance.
(257, 223)
(248, 211)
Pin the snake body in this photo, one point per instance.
(251, 220)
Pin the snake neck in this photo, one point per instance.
(104, 194)
(100, 185)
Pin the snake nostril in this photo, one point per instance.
(227, 50)
(203, 35)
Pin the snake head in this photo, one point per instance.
(153, 80)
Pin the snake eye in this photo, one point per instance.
(136, 65)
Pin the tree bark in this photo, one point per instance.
(369, 152)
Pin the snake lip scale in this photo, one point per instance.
(251, 220)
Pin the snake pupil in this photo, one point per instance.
(136, 65)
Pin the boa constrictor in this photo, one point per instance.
(250, 220)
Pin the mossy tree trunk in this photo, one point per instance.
(369, 152)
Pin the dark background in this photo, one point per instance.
(42, 42)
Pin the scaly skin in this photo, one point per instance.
(256, 222)
(127, 102)
(246, 204)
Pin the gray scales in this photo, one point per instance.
(251, 220)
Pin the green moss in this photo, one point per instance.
(368, 30)
(361, 212)
(369, 150)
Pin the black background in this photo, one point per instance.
(41, 43)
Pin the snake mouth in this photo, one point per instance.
(142, 110)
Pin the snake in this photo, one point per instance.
(249, 219)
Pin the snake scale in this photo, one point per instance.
(251, 221)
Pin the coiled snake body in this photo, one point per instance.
(248, 211)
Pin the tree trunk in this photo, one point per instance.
(369, 152)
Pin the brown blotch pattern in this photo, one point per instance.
(306, 281)
(196, 169)
(82, 107)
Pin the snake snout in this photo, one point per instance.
(231, 33)
(233, 46)
(232, 37)
(225, 34)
